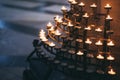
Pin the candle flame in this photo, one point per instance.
(111, 72)
(110, 57)
(100, 56)
(81, 4)
(108, 17)
(93, 5)
(110, 43)
(99, 43)
(63, 8)
(80, 53)
(85, 15)
(88, 41)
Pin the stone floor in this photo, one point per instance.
(20, 22)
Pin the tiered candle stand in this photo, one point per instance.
(76, 44)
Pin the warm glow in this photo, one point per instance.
(99, 43)
(70, 1)
(51, 28)
(42, 32)
(80, 53)
(93, 5)
(57, 32)
(108, 6)
(63, 8)
(44, 39)
(108, 17)
(57, 18)
(98, 30)
(88, 28)
(74, 2)
(110, 43)
(100, 56)
(60, 20)
(51, 44)
(49, 24)
(88, 41)
(81, 4)
(70, 24)
(110, 58)
(85, 15)
(111, 72)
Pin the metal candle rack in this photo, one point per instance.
(76, 41)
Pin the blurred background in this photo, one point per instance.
(20, 22)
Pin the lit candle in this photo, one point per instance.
(57, 32)
(42, 32)
(51, 28)
(111, 72)
(81, 4)
(51, 44)
(93, 5)
(85, 15)
(70, 1)
(110, 43)
(110, 57)
(74, 2)
(60, 20)
(99, 43)
(88, 41)
(98, 30)
(80, 53)
(107, 6)
(44, 39)
(49, 24)
(100, 56)
(108, 17)
(64, 8)
(70, 24)
(56, 18)
(88, 28)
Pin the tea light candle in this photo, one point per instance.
(111, 72)
(51, 44)
(108, 17)
(70, 24)
(42, 32)
(56, 18)
(57, 32)
(85, 15)
(70, 1)
(44, 39)
(73, 2)
(98, 30)
(93, 5)
(80, 53)
(81, 4)
(110, 43)
(64, 8)
(60, 20)
(107, 6)
(88, 28)
(49, 25)
(99, 43)
(110, 57)
(100, 56)
(51, 28)
(88, 41)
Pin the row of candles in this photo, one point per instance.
(58, 19)
(81, 4)
(110, 58)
